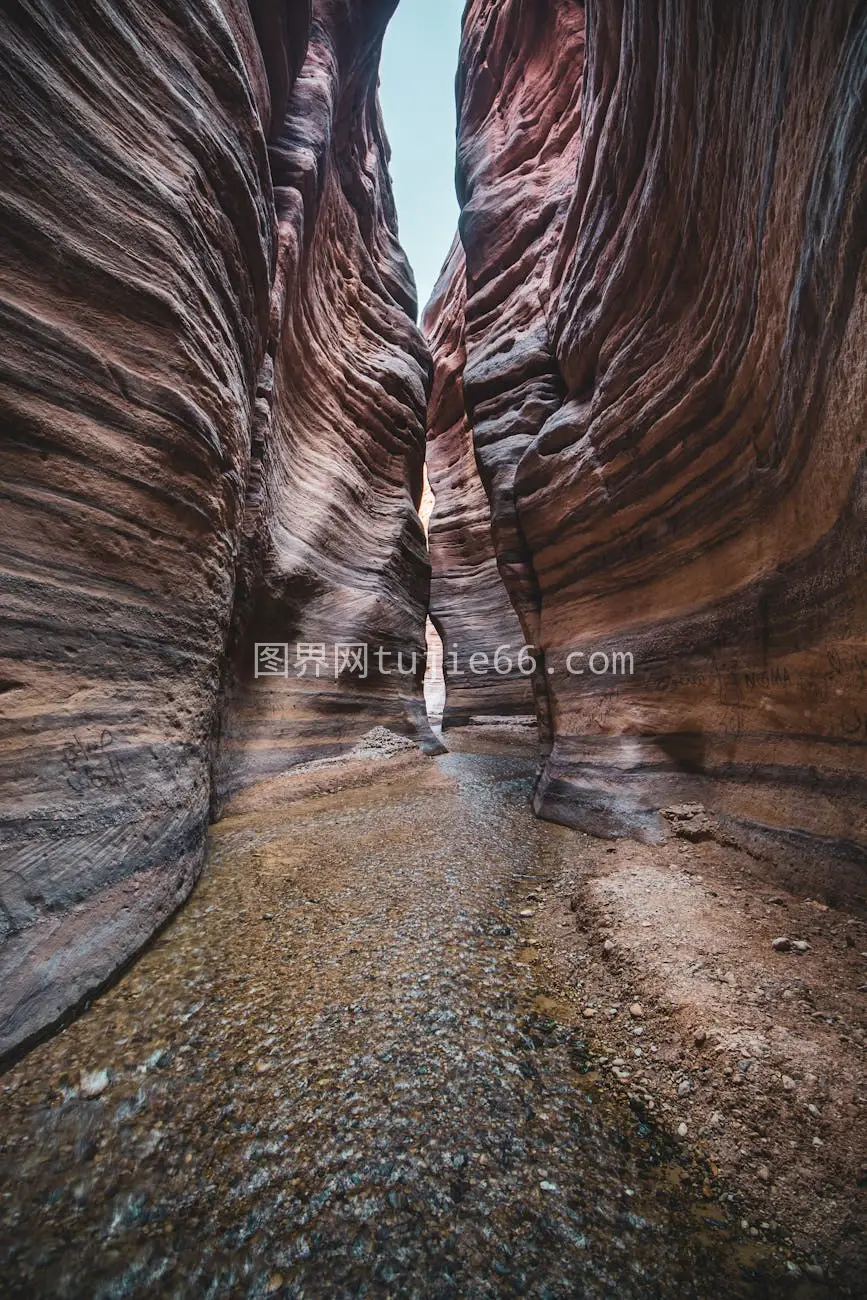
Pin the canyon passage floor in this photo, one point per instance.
(332, 1075)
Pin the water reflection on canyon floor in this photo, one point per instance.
(333, 1075)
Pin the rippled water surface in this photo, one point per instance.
(333, 1076)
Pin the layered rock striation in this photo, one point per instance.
(334, 560)
(482, 636)
(664, 214)
(212, 418)
(519, 89)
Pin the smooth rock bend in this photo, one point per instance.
(665, 379)
(212, 408)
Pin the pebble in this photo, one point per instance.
(684, 1087)
(788, 1083)
(782, 944)
(93, 1083)
(800, 946)
(636, 1010)
(682, 1130)
(764, 1173)
(700, 1037)
(156, 1058)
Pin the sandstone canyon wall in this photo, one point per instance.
(212, 422)
(661, 301)
(469, 605)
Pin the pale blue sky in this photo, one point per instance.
(417, 89)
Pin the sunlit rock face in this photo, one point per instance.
(483, 640)
(664, 216)
(212, 414)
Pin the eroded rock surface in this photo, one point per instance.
(468, 601)
(212, 411)
(334, 554)
(664, 216)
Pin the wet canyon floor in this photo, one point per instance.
(333, 1075)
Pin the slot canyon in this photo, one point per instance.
(552, 986)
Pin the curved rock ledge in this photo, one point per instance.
(212, 402)
(665, 378)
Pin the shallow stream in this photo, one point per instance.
(333, 1075)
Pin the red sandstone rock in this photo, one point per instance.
(334, 552)
(519, 96)
(212, 411)
(469, 606)
(665, 339)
